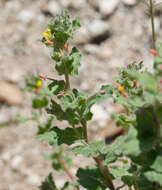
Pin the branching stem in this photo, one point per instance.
(105, 172)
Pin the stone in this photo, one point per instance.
(25, 16)
(97, 27)
(130, 2)
(99, 115)
(10, 94)
(16, 161)
(54, 7)
(107, 7)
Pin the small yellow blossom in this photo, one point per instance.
(47, 33)
(121, 88)
(49, 42)
(39, 83)
(62, 54)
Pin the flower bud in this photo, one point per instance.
(59, 95)
(154, 52)
(124, 94)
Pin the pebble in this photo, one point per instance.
(99, 115)
(130, 2)
(25, 16)
(16, 161)
(107, 7)
(7, 90)
(97, 27)
(54, 7)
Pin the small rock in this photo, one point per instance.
(97, 27)
(78, 4)
(107, 7)
(25, 16)
(10, 94)
(92, 49)
(130, 2)
(54, 7)
(16, 161)
(99, 115)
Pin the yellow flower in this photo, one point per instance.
(49, 42)
(121, 88)
(39, 83)
(47, 33)
(62, 54)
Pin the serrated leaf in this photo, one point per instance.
(39, 103)
(67, 136)
(48, 184)
(154, 176)
(43, 127)
(90, 150)
(76, 57)
(120, 171)
(56, 86)
(90, 177)
(49, 137)
(157, 163)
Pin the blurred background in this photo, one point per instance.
(113, 34)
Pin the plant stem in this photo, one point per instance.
(67, 171)
(85, 131)
(135, 186)
(67, 81)
(105, 172)
(153, 23)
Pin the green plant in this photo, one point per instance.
(139, 151)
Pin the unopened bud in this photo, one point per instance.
(154, 52)
(43, 77)
(60, 95)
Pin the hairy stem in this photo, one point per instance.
(85, 131)
(67, 171)
(105, 172)
(67, 81)
(153, 23)
(135, 186)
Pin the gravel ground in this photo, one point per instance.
(113, 34)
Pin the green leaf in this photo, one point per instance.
(120, 171)
(76, 23)
(90, 150)
(157, 163)
(76, 57)
(43, 127)
(49, 137)
(48, 184)
(38, 103)
(90, 178)
(69, 115)
(154, 176)
(67, 136)
(56, 86)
